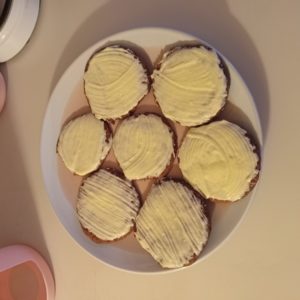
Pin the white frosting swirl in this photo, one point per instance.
(143, 146)
(172, 225)
(218, 160)
(83, 144)
(190, 86)
(114, 82)
(107, 205)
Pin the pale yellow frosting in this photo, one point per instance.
(82, 144)
(114, 82)
(190, 86)
(143, 146)
(107, 205)
(172, 225)
(218, 160)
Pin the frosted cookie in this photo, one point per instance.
(219, 161)
(115, 80)
(107, 206)
(191, 84)
(83, 144)
(144, 146)
(172, 225)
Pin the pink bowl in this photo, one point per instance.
(24, 274)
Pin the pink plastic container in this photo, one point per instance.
(24, 275)
(2, 92)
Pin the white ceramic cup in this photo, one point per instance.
(18, 20)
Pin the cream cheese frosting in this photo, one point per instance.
(83, 144)
(218, 160)
(172, 225)
(114, 82)
(143, 146)
(189, 85)
(107, 205)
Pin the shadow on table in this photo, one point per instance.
(212, 21)
(19, 221)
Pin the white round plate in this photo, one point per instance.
(126, 254)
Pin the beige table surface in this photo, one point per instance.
(261, 260)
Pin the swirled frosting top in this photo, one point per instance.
(189, 85)
(143, 146)
(218, 160)
(114, 82)
(83, 144)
